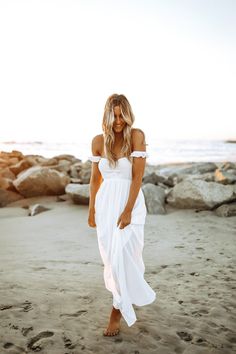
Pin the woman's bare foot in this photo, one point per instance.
(114, 324)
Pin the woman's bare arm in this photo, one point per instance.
(138, 168)
(96, 177)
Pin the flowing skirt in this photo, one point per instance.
(121, 249)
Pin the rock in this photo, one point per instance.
(63, 166)
(226, 210)
(47, 162)
(156, 179)
(153, 178)
(5, 183)
(63, 198)
(75, 169)
(70, 158)
(13, 153)
(85, 172)
(79, 193)
(7, 197)
(37, 181)
(20, 166)
(200, 194)
(195, 168)
(76, 180)
(5, 172)
(228, 166)
(225, 177)
(154, 198)
(3, 163)
(36, 209)
(149, 169)
(208, 177)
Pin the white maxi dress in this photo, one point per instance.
(121, 249)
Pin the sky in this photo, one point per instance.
(173, 59)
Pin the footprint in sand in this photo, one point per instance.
(12, 346)
(25, 330)
(34, 343)
(199, 313)
(185, 336)
(39, 268)
(180, 275)
(68, 343)
(5, 307)
(75, 314)
(25, 306)
(86, 299)
(201, 341)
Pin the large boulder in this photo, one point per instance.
(79, 193)
(154, 198)
(200, 194)
(39, 180)
(7, 197)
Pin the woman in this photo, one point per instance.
(117, 210)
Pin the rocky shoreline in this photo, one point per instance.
(201, 186)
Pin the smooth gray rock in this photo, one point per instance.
(36, 209)
(78, 192)
(200, 194)
(154, 198)
(194, 168)
(156, 179)
(226, 210)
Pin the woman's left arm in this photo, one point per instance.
(138, 168)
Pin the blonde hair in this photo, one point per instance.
(107, 124)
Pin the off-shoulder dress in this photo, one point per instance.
(121, 249)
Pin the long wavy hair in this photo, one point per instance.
(107, 124)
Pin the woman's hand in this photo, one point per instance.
(124, 219)
(91, 217)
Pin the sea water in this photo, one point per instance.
(160, 151)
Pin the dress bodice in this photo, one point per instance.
(123, 169)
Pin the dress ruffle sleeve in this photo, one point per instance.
(137, 153)
(94, 158)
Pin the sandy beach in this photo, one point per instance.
(53, 298)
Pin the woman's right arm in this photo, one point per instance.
(95, 181)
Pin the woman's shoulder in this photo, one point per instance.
(97, 144)
(137, 132)
(137, 137)
(97, 138)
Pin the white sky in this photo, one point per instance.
(173, 59)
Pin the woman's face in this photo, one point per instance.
(119, 122)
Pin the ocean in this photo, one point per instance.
(160, 151)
